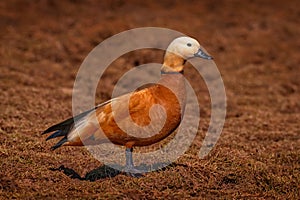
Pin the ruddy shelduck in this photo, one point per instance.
(168, 92)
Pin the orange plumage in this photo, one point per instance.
(168, 92)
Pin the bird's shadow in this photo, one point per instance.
(101, 172)
(105, 171)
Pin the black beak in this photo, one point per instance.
(202, 54)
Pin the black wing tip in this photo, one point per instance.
(59, 144)
(62, 125)
(56, 134)
(68, 123)
(50, 129)
(46, 131)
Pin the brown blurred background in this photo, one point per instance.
(254, 43)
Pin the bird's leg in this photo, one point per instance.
(129, 168)
(129, 160)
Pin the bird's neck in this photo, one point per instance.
(176, 83)
(172, 64)
(172, 76)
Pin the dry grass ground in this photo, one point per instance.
(256, 46)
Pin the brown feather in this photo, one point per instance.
(140, 104)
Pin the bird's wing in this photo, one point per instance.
(131, 113)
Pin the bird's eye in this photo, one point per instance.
(189, 44)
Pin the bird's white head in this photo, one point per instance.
(187, 47)
(179, 51)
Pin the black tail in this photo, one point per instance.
(63, 129)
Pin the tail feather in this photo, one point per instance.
(59, 126)
(64, 128)
(61, 142)
(56, 134)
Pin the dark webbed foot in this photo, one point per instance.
(130, 170)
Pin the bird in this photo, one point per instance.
(101, 123)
